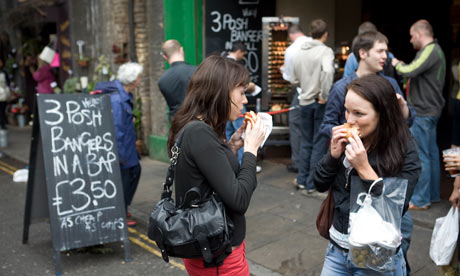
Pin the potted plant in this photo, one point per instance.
(19, 111)
(83, 62)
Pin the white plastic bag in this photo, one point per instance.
(21, 175)
(375, 222)
(444, 238)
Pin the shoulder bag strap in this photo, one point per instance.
(175, 151)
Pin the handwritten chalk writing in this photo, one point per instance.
(54, 110)
(60, 164)
(81, 170)
(81, 195)
(76, 115)
(246, 35)
(103, 191)
(59, 143)
(228, 22)
(114, 224)
(95, 164)
(76, 164)
(240, 26)
(250, 12)
(252, 62)
(91, 102)
(91, 223)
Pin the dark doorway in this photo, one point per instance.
(394, 18)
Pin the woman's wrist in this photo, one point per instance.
(367, 172)
(252, 150)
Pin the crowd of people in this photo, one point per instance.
(394, 136)
(394, 133)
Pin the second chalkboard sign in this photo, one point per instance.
(231, 21)
(77, 146)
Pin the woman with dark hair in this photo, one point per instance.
(215, 95)
(383, 148)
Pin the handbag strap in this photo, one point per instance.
(175, 151)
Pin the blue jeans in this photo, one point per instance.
(294, 129)
(130, 179)
(336, 263)
(233, 126)
(313, 145)
(427, 188)
(407, 226)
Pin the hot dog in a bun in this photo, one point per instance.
(250, 118)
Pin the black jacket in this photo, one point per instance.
(208, 163)
(173, 84)
(331, 171)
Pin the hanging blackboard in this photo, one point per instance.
(228, 21)
(74, 158)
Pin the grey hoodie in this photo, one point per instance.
(313, 67)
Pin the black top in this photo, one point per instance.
(208, 163)
(331, 171)
(173, 84)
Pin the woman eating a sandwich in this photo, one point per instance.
(375, 143)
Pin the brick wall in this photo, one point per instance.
(106, 24)
(142, 53)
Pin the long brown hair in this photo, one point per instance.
(391, 136)
(208, 95)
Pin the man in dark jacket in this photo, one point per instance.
(121, 98)
(173, 83)
(427, 73)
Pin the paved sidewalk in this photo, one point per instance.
(281, 234)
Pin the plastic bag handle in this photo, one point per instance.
(360, 200)
(375, 182)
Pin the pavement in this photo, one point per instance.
(281, 235)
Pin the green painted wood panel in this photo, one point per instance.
(183, 22)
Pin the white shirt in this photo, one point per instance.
(290, 53)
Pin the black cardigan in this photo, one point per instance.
(330, 171)
(208, 163)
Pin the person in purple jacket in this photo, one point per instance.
(44, 77)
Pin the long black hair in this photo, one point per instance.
(390, 138)
(208, 95)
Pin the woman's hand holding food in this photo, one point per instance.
(338, 141)
(254, 136)
(357, 156)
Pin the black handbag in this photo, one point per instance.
(196, 229)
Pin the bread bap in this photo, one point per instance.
(350, 129)
(250, 118)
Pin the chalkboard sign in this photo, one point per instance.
(228, 21)
(74, 139)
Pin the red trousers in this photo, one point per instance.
(234, 265)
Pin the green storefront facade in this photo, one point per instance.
(183, 21)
